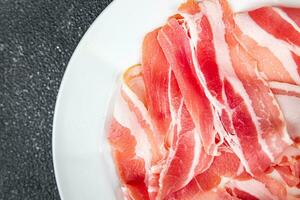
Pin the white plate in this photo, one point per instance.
(82, 162)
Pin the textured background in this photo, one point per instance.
(37, 39)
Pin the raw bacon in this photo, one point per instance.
(155, 70)
(175, 45)
(185, 157)
(213, 111)
(277, 23)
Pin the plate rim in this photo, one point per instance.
(60, 94)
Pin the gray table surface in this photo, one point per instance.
(37, 39)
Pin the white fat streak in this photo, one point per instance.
(284, 86)
(155, 169)
(287, 18)
(224, 182)
(233, 142)
(197, 149)
(293, 191)
(218, 30)
(240, 169)
(254, 188)
(175, 115)
(179, 127)
(290, 151)
(290, 190)
(152, 189)
(128, 119)
(190, 19)
(126, 195)
(138, 103)
(290, 107)
(285, 133)
(275, 175)
(218, 129)
(165, 167)
(280, 49)
(172, 109)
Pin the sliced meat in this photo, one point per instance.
(129, 159)
(155, 72)
(276, 59)
(273, 22)
(185, 157)
(293, 13)
(185, 145)
(131, 93)
(176, 47)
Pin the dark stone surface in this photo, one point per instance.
(37, 39)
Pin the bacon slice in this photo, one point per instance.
(274, 22)
(185, 157)
(277, 59)
(293, 13)
(131, 150)
(133, 93)
(132, 97)
(185, 145)
(175, 45)
(155, 69)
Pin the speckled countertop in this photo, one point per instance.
(37, 39)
